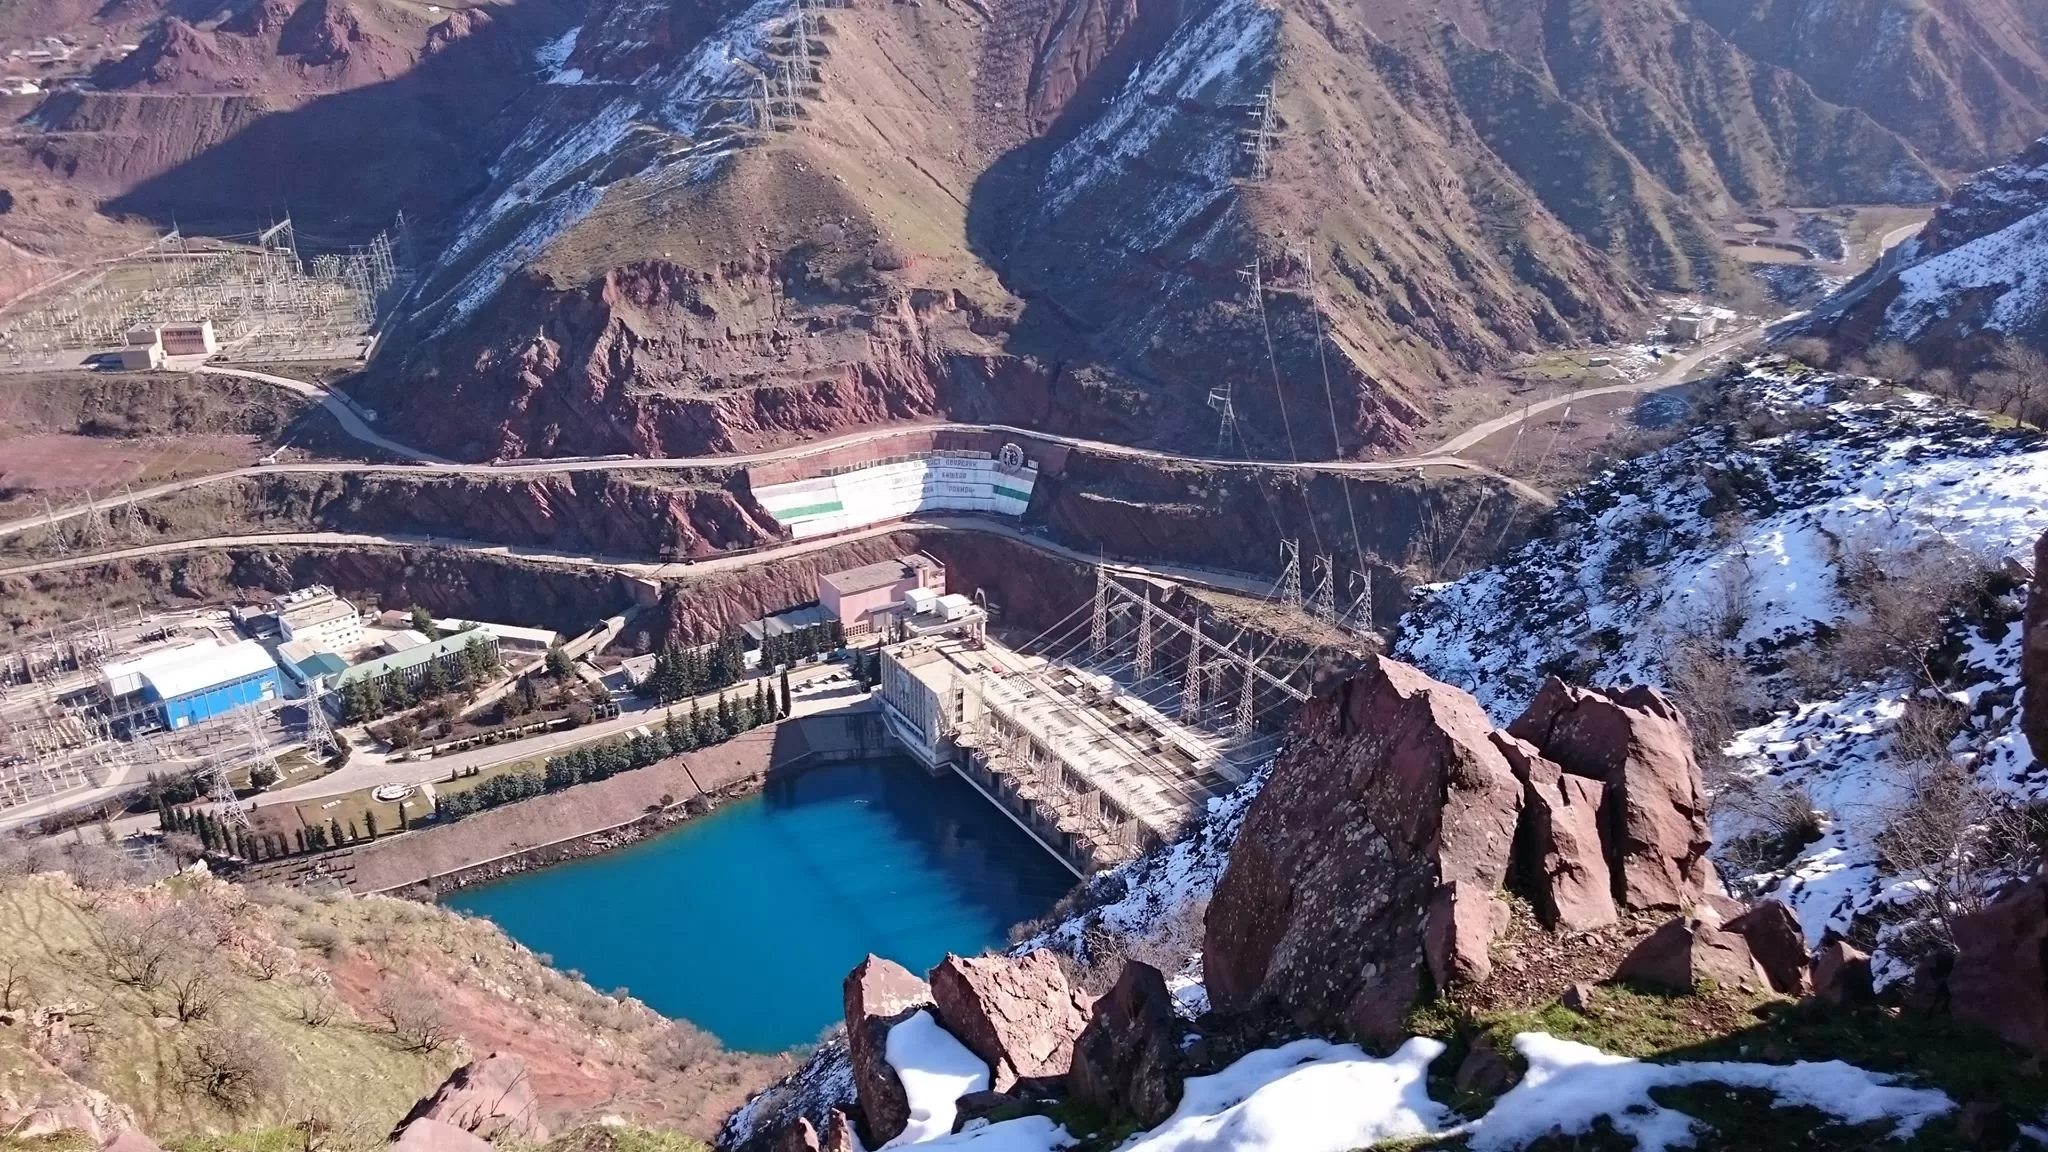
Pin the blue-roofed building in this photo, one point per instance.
(180, 687)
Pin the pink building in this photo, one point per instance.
(860, 598)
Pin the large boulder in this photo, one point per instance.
(879, 994)
(1562, 866)
(1018, 1014)
(839, 1133)
(2034, 657)
(1124, 1058)
(1841, 972)
(491, 1097)
(1335, 904)
(799, 1135)
(1778, 942)
(130, 1140)
(1999, 978)
(1687, 950)
(437, 1136)
(1654, 813)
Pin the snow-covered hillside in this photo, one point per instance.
(1745, 539)
(1979, 267)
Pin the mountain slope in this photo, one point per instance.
(1961, 80)
(709, 235)
(1973, 279)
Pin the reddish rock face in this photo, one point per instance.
(1654, 814)
(1841, 972)
(1687, 950)
(437, 1136)
(491, 1097)
(1463, 920)
(879, 993)
(1020, 1015)
(1563, 867)
(2034, 657)
(1123, 1058)
(2000, 977)
(1779, 945)
(130, 1140)
(1390, 790)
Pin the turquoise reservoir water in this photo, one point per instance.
(745, 921)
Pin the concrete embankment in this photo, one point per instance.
(590, 818)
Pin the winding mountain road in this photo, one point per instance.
(654, 570)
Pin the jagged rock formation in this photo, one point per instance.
(1778, 943)
(879, 994)
(1688, 950)
(491, 1098)
(1655, 816)
(1397, 811)
(1380, 837)
(1020, 1016)
(1998, 977)
(1123, 1059)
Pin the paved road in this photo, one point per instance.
(1182, 573)
(426, 464)
(1673, 374)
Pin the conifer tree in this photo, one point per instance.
(785, 693)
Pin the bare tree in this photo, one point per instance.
(139, 944)
(1890, 360)
(414, 1019)
(1902, 600)
(13, 982)
(316, 1006)
(236, 1068)
(1958, 840)
(679, 1046)
(194, 988)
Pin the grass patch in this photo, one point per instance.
(1930, 1051)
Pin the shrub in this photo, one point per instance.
(413, 1018)
(236, 1068)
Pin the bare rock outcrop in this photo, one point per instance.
(1018, 1014)
(1841, 972)
(800, 1135)
(1390, 793)
(2000, 975)
(1654, 813)
(130, 1140)
(437, 1136)
(2034, 657)
(839, 1133)
(1687, 950)
(491, 1097)
(1562, 865)
(1778, 942)
(1123, 1059)
(878, 994)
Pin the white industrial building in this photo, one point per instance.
(179, 687)
(511, 637)
(316, 616)
(937, 481)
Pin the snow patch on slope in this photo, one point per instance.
(1743, 537)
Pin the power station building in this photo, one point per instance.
(180, 687)
(861, 599)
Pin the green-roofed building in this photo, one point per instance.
(412, 662)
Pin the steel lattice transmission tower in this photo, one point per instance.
(1322, 602)
(1290, 574)
(1226, 424)
(1144, 661)
(319, 733)
(1191, 689)
(1259, 134)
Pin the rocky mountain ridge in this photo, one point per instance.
(1970, 283)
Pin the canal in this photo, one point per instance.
(745, 921)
